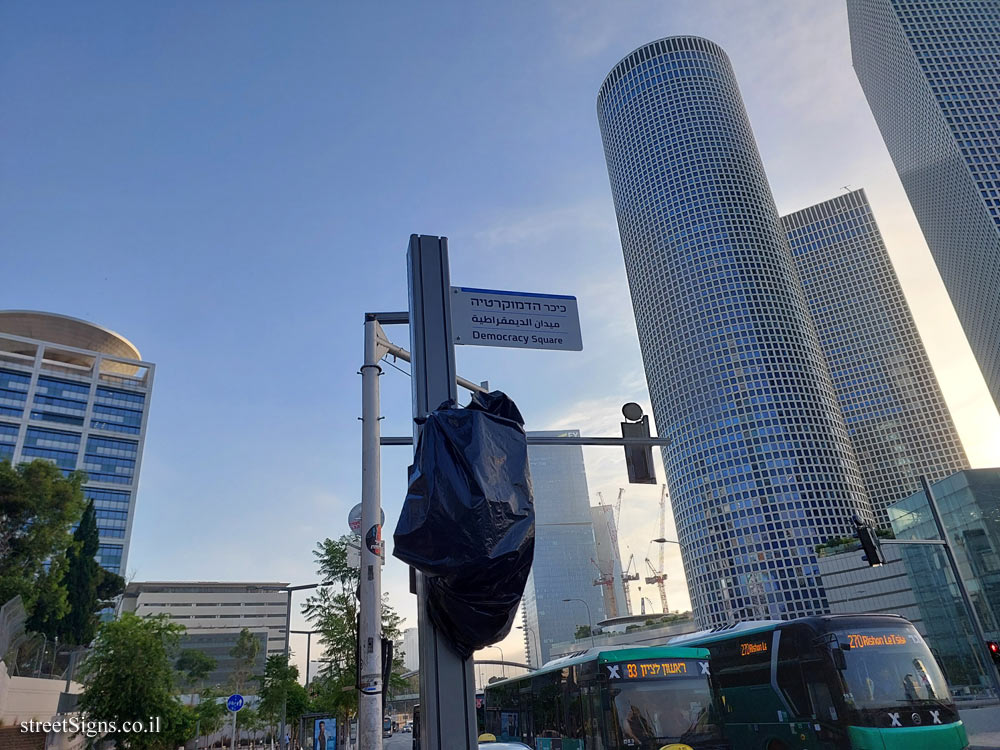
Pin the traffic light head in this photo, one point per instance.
(994, 649)
(870, 544)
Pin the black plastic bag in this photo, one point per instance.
(468, 522)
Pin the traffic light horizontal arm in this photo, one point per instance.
(553, 440)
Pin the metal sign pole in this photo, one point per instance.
(447, 682)
(370, 623)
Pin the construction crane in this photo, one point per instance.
(626, 577)
(608, 582)
(658, 576)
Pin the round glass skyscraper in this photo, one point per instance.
(760, 467)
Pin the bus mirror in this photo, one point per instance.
(839, 660)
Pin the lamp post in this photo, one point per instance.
(503, 669)
(282, 743)
(309, 637)
(661, 540)
(590, 620)
(538, 646)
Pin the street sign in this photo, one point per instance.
(522, 320)
(234, 702)
(354, 518)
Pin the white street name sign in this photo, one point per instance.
(522, 320)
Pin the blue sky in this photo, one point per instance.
(231, 186)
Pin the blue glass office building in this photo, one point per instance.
(760, 467)
(896, 417)
(931, 72)
(564, 566)
(78, 395)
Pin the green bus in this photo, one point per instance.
(864, 682)
(610, 699)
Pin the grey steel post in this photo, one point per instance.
(284, 703)
(234, 743)
(447, 682)
(977, 626)
(288, 632)
(370, 621)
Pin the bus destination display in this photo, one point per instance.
(652, 669)
(861, 640)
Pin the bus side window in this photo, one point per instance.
(790, 679)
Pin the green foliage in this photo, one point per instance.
(194, 667)
(245, 653)
(333, 611)
(51, 605)
(128, 675)
(582, 631)
(38, 506)
(276, 686)
(836, 542)
(82, 576)
(210, 713)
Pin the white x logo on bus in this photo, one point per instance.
(613, 671)
(895, 720)
(704, 667)
(936, 717)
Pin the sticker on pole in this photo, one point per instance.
(354, 518)
(234, 702)
(522, 320)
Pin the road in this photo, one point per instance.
(398, 741)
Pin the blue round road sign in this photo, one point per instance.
(234, 702)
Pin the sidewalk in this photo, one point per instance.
(983, 727)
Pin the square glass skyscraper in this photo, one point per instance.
(931, 72)
(895, 414)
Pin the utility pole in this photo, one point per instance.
(370, 620)
(447, 681)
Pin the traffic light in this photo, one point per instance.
(638, 458)
(994, 648)
(869, 543)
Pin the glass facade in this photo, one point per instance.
(81, 409)
(931, 72)
(564, 566)
(895, 414)
(969, 503)
(760, 467)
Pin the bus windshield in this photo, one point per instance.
(889, 668)
(652, 714)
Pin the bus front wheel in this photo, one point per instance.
(777, 745)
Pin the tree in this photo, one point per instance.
(194, 667)
(128, 675)
(38, 506)
(82, 576)
(245, 653)
(333, 610)
(275, 685)
(279, 687)
(51, 599)
(210, 713)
